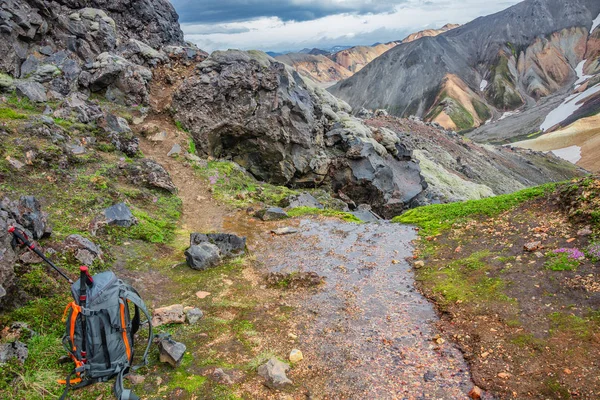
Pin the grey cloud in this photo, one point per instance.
(222, 11)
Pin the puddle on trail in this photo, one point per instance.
(367, 334)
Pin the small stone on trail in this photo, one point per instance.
(202, 295)
(293, 280)
(296, 356)
(136, 379)
(419, 264)
(171, 351)
(533, 246)
(284, 231)
(193, 315)
(292, 336)
(222, 377)
(539, 254)
(16, 164)
(429, 376)
(175, 150)
(476, 393)
(274, 372)
(168, 315)
(504, 375)
(587, 231)
(158, 137)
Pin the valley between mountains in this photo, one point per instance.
(426, 228)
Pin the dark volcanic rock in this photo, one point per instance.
(302, 200)
(248, 107)
(202, 256)
(150, 173)
(120, 215)
(271, 214)
(229, 245)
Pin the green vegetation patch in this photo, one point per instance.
(436, 218)
(464, 280)
(234, 186)
(483, 112)
(461, 117)
(300, 211)
(9, 113)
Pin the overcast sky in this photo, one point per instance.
(280, 25)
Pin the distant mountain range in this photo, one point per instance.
(328, 66)
(533, 67)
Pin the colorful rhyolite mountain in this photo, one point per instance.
(327, 68)
(530, 69)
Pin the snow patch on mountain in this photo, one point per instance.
(580, 74)
(483, 85)
(595, 24)
(572, 154)
(567, 108)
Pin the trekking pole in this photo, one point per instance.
(84, 280)
(21, 239)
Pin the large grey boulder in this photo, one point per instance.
(229, 245)
(34, 91)
(150, 173)
(203, 256)
(274, 372)
(260, 113)
(28, 214)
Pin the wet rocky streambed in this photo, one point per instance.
(367, 332)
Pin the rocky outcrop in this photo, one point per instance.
(55, 48)
(247, 107)
(25, 214)
(457, 169)
(501, 62)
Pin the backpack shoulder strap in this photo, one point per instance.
(132, 296)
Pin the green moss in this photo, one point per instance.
(300, 211)
(180, 126)
(528, 340)
(191, 146)
(584, 328)
(233, 186)
(483, 112)
(9, 113)
(21, 103)
(437, 218)
(159, 227)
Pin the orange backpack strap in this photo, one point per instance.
(76, 311)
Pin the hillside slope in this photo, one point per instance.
(469, 75)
